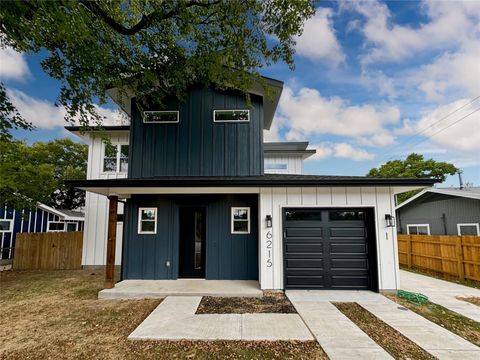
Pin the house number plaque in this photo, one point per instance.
(269, 249)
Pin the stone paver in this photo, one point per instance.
(336, 334)
(158, 289)
(175, 319)
(429, 336)
(442, 292)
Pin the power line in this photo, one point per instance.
(443, 129)
(433, 124)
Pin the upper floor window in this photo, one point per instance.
(161, 117)
(231, 115)
(115, 157)
(276, 167)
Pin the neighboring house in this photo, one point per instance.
(437, 211)
(41, 219)
(198, 204)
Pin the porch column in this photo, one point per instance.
(111, 239)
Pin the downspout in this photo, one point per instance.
(444, 220)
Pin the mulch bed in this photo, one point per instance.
(271, 302)
(397, 345)
(471, 299)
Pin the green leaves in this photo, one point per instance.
(154, 48)
(36, 173)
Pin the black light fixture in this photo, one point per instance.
(389, 220)
(269, 221)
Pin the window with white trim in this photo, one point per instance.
(147, 220)
(161, 117)
(240, 222)
(115, 157)
(6, 225)
(273, 168)
(468, 229)
(418, 229)
(56, 226)
(239, 115)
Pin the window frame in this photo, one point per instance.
(417, 225)
(161, 112)
(275, 171)
(10, 227)
(118, 147)
(232, 220)
(139, 228)
(56, 222)
(477, 225)
(231, 121)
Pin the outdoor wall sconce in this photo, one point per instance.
(389, 220)
(269, 221)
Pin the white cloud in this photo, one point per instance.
(344, 150)
(381, 139)
(307, 113)
(444, 132)
(318, 41)
(45, 115)
(13, 65)
(449, 24)
(323, 151)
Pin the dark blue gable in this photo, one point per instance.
(196, 146)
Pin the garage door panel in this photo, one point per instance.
(327, 254)
(347, 232)
(348, 248)
(305, 281)
(304, 248)
(304, 232)
(305, 263)
(342, 263)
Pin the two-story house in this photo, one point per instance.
(200, 201)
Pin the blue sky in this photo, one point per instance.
(374, 81)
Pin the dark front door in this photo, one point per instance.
(192, 242)
(329, 249)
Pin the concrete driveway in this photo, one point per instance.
(442, 292)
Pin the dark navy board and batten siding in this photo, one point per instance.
(197, 146)
(228, 256)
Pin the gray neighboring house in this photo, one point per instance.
(447, 211)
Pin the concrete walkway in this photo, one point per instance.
(175, 319)
(429, 336)
(336, 334)
(442, 292)
(158, 289)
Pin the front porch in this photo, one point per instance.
(156, 289)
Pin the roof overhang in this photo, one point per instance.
(248, 184)
(454, 193)
(271, 97)
(85, 131)
(288, 149)
(59, 213)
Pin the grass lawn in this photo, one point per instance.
(462, 326)
(56, 315)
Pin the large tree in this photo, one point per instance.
(37, 173)
(152, 48)
(414, 166)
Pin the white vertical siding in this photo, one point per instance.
(273, 200)
(96, 206)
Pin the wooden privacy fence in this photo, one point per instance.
(48, 251)
(457, 256)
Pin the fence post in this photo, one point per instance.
(459, 253)
(409, 251)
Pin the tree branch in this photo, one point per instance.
(146, 20)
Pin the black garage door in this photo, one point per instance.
(329, 249)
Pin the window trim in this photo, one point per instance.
(161, 111)
(231, 121)
(276, 171)
(232, 220)
(10, 227)
(118, 146)
(139, 229)
(56, 222)
(477, 225)
(417, 225)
